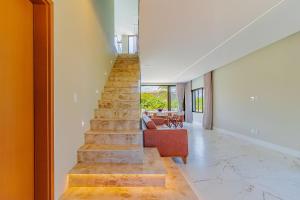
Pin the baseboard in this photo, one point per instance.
(262, 143)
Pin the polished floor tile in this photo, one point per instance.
(221, 167)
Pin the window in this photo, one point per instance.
(197, 100)
(173, 100)
(154, 97)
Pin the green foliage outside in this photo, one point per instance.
(174, 104)
(199, 106)
(155, 100)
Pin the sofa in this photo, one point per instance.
(170, 142)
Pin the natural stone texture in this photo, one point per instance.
(122, 78)
(119, 104)
(91, 153)
(125, 69)
(122, 84)
(122, 90)
(123, 65)
(130, 73)
(114, 137)
(125, 114)
(113, 124)
(176, 188)
(106, 96)
(149, 173)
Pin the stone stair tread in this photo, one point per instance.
(93, 132)
(117, 109)
(123, 86)
(97, 147)
(113, 119)
(126, 86)
(124, 93)
(117, 100)
(152, 165)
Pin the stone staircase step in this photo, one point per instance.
(126, 90)
(92, 153)
(127, 60)
(122, 84)
(134, 74)
(149, 173)
(125, 114)
(125, 69)
(129, 63)
(118, 104)
(120, 97)
(122, 65)
(123, 78)
(114, 124)
(127, 137)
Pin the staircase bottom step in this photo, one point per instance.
(149, 173)
(118, 180)
(176, 188)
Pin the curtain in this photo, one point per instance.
(180, 95)
(208, 102)
(188, 102)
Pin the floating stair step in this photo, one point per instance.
(125, 114)
(121, 97)
(92, 153)
(114, 124)
(126, 90)
(114, 104)
(149, 173)
(114, 137)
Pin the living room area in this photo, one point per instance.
(245, 148)
(238, 162)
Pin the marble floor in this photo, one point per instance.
(222, 167)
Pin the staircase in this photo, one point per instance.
(113, 153)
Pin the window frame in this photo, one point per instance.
(194, 107)
(168, 91)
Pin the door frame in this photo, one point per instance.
(43, 99)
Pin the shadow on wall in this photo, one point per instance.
(106, 20)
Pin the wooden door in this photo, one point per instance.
(16, 101)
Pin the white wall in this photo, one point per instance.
(197, 83)
(84, 32)
(126, 17)
(271, 77)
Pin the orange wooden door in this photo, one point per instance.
(16, 101)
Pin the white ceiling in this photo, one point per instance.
(181, 40)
